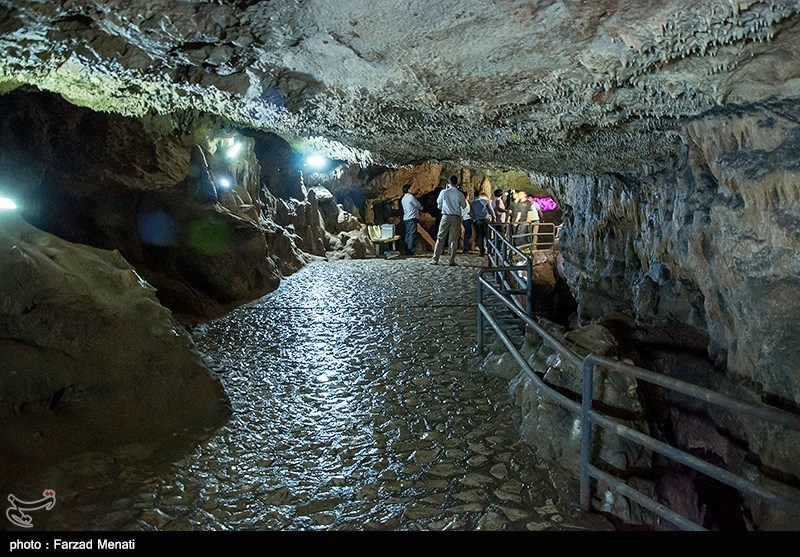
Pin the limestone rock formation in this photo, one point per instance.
(705, 250)
(197, 223)
(91, 358)
(714, 251)
(553, 86)
(667, 131)
(424, 178)
(321, 228)
(555, 431)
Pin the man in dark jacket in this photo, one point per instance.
(482, 213)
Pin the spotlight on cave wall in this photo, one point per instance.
(234, 150)
(7, 204)
(224, 183)
(316, 162)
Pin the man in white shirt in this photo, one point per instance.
(451, 202)
(411, 209)
(535, 214)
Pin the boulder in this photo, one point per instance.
(91, 359)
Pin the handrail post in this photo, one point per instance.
(494, 247)
(505, 254)
(505, 261)
(489, 245)
(498, 254)
(587, 382)
(529, 287)
(480, 315)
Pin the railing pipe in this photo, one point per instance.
(529, 287)
(480, 318)
(658, 508)
(547, 337)
(590, 416)
(774, 415)
(586, 433)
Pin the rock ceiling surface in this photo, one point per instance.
(544, 86)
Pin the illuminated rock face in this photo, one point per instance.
(557, 87)
(91, 359)
(203, 227)
(705, 252)
(711, 244)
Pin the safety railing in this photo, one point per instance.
(536, 237)
(513, 268)
(589, 417)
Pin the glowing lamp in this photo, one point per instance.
(234, 150)
(7, 204)
(316, 162)
(224, 183)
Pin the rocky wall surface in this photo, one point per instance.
(91, 359)
(189, 201)
(556, 87)
(555, 431)
(707, 253)
(711, 245)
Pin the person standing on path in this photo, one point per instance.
(499, 207)
(411, 209)
(466, 220)
(451, 202)
(501, 213)
(521, 214)
(482, 214)
(533, 218)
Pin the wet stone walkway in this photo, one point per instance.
(359, 404)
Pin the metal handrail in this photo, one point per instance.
(590, 417)
(536, 237)
(498, 252)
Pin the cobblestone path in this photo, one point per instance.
(358, 403)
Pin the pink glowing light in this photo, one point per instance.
(546, 203)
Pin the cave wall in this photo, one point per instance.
(711, 244)
(90, 357)
(210, 231)
(706, 252)
(127, 229)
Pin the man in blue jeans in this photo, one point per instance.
(411, 209)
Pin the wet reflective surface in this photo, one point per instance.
(359, 404)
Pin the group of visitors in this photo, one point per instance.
(518, 210)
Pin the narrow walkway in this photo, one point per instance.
(358, 405)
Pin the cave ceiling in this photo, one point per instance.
(543, 86)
